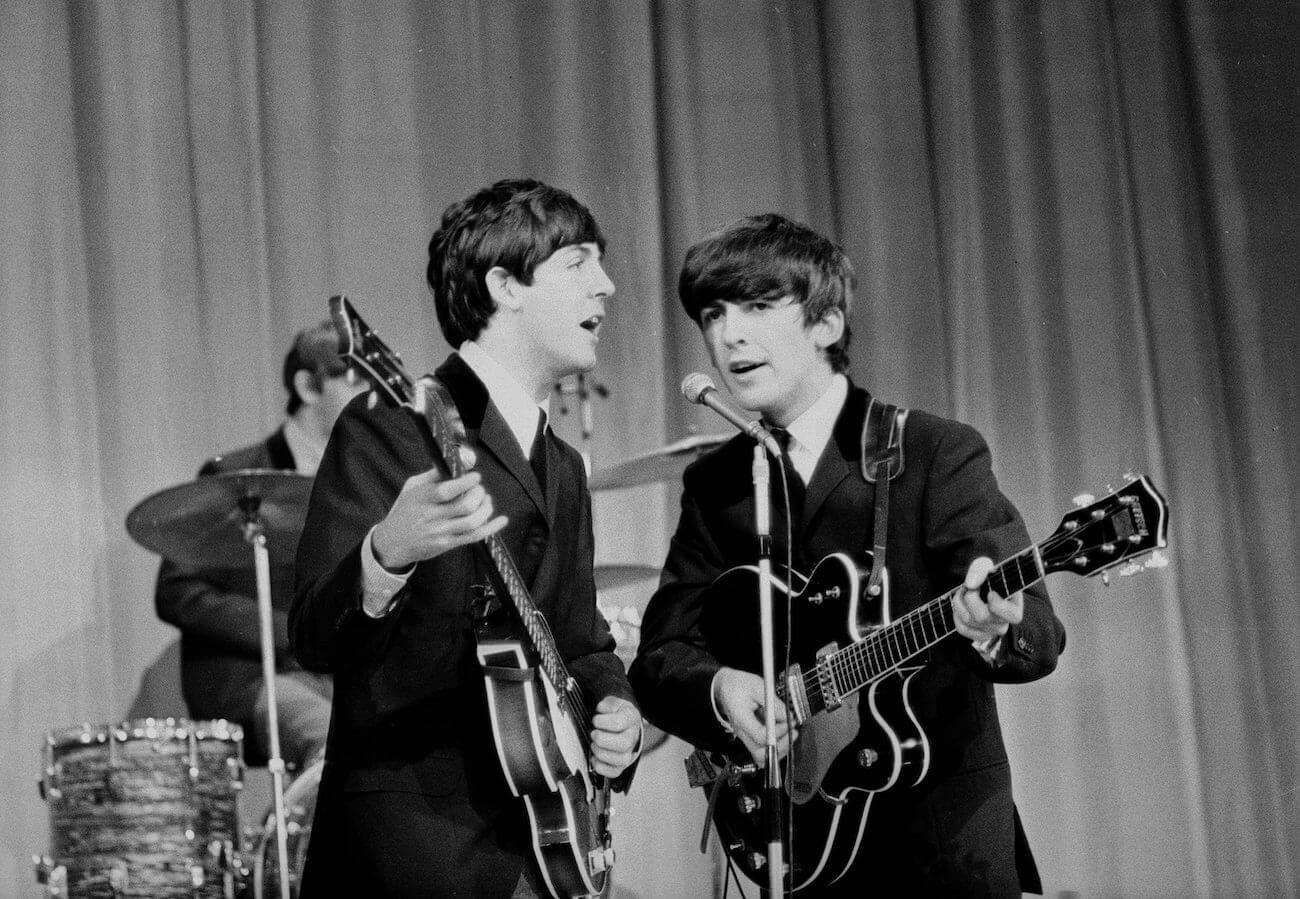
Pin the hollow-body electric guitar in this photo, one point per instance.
(846, 649)
(541, 722)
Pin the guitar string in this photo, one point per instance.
(881, 651)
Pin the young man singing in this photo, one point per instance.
(413, 800)
(772, 299)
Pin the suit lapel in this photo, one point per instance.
(485, 424)
(496, 437)
(839, 460)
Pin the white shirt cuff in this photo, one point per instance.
(713, 699)
(988, 649)
(378, 584)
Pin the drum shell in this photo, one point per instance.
(145, 808)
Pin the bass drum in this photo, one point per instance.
(299, 808)
(143, 808)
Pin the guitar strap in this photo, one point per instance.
(881, 461)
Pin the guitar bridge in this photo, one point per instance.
(826, 679)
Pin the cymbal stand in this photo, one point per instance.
(583, 391)
(254, 533)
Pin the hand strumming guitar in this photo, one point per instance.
(738, 698)
(615, 736)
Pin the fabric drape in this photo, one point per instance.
(1074, 225)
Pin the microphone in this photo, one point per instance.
(699, 388)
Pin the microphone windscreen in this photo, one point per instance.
(694, 385)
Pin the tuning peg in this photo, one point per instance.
(1105, 578)
(1157, 559)
(1128, 569)
(1083, 499)
(1130, 477)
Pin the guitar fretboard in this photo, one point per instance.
(848, 670)
(539, 633)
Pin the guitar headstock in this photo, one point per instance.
(383, 367)
(1117, 528)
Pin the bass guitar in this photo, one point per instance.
(541, 722)
(846, 649)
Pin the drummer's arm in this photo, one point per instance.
(202, 604)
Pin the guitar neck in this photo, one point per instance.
(538, 631)
(844, 672)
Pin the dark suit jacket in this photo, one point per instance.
(216, 611)
(409, 708)
(945, 510)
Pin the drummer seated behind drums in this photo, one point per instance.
(216, 609)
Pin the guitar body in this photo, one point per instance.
(542, 755)
(845, 650)
(842, 757)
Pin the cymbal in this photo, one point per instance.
(202, 522)
(664, 464)
(613, 576)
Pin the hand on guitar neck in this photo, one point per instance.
(433, 514)
(981, 615)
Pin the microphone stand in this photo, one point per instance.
(772, 787)
(255, 534)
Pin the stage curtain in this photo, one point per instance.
(1074, 225)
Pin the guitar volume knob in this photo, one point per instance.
(868, 757)
(747, 804)
(757, 861)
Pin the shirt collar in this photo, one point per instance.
(305, 446)
(811, 431)
(507, 394)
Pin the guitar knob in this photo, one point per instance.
(757, 861)
(747, 804)
(868, 757)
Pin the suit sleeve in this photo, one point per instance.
(673, 671)
(966, 516)
(370, 454)
(199, 602)
(582, 633)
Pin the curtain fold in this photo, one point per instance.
(1074, 226)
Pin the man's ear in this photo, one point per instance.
(503, 288)
(305, 386)
(828, 329)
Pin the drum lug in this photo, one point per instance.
(51, 876)
(49, 777)
(119, 878)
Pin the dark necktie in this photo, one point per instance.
(793, 481)
(537, 455)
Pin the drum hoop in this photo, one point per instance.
(86, 734)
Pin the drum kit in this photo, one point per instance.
(149, 807)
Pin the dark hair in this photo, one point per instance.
(516, 224)
(315, 350)
(770, 257)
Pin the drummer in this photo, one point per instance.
(216, 609)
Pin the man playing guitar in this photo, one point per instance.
(394, 585)
(772, 299)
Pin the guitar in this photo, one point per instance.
(842, 759)
(541, 722)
